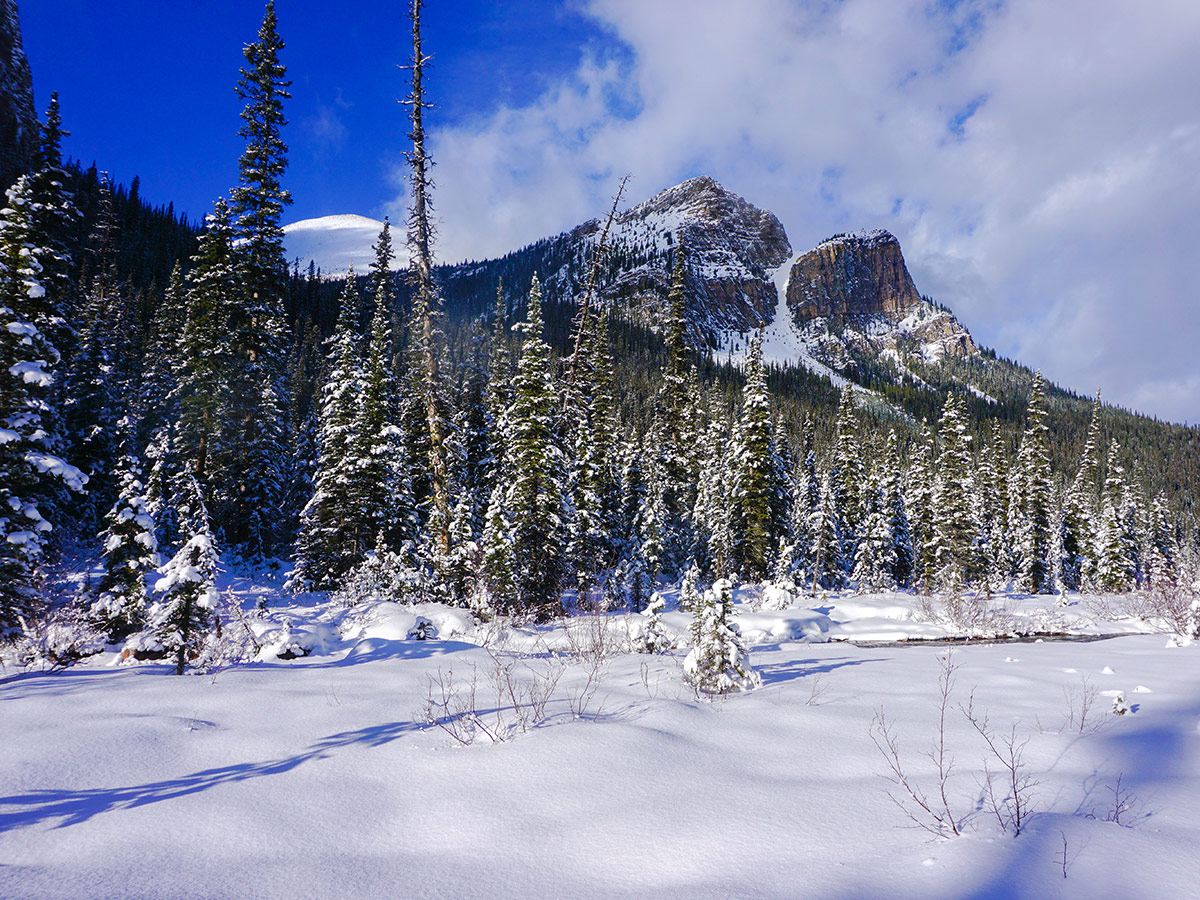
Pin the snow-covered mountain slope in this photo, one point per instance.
(334, 243)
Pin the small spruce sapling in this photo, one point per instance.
(718, 662)
(653, 637)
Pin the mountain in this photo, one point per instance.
(18, 119)
(334, 243)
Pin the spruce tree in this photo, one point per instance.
(187, 584)
(1116, 555)
(846, 473)
(55, 219)
(953, 525)
(718, 662)
(259, 200)
(206, 352)
(162, 357)
(130, 552)
(903, 557)
(331, 542)
(918, 500)
(30, 470)
(1032, 536)
(753, 472)
(499, 563)
(828, 566)
(875, 557)
(535, 495)
(381, 492)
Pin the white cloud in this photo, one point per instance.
(1037, 160)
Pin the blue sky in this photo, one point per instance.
(147, 87)
(1037, 160)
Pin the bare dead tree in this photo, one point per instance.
(427, 311)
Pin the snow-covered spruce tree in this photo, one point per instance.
(718, 662)
(91, 399)
(256, 423)
(162, 483)
(676, 421)
(589, 416)
(753, 490)
(828, 567)
(1134, 513)
(846, 475)
(1116, 555)
(381, 492)
(1160, 554)
(1083, 499)
(130, 553)
(330, 540)
(918, 500)
(187, 584)
(55, 219)
(536, 492)
(159, 380)
(206, 352)
(875, 557)
(653, 637)
(714, 513)
(259, 199)
(1032, 534)
(954, 528)
(496, 590)
(992, 510)
(806, 501)
(903, 557)
(29, 468)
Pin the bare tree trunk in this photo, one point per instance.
(425, 298)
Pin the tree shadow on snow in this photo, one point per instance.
(779, 673)
(75, 806)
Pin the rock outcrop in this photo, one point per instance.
(18, 119)
(852, 277)
(858, 286)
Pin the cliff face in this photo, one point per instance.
(858, 286)
(18, 120)
(851, 277)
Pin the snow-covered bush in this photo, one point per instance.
(53, 640)
(718, 662)
(385, 575)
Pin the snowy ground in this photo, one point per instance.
(316, 777)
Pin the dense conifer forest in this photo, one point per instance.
(172, 393)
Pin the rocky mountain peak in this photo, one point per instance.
(729, 247)
(18, 119)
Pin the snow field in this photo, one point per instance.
(315, 777)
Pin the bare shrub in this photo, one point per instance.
(1082, 716)
(931, 813)
(521, 692)
(1008, 789)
